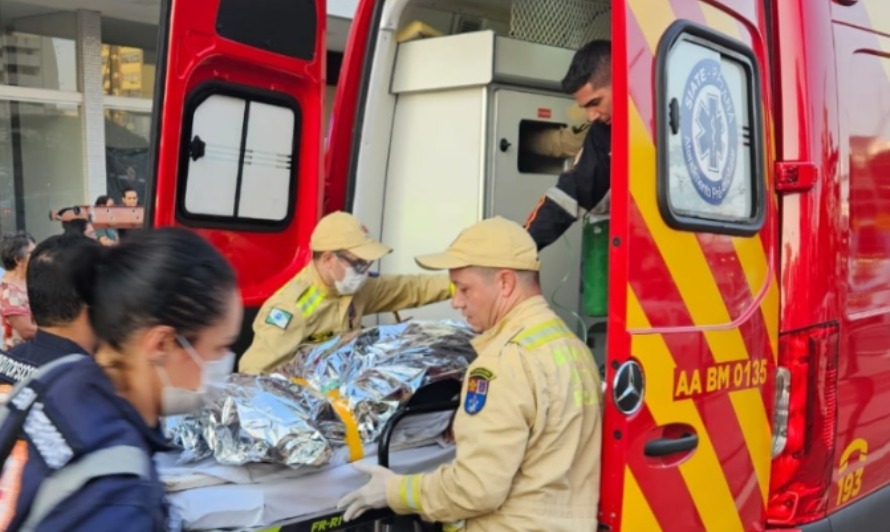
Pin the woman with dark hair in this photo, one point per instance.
(107, 237)
(79, 227)
(166, 309)
(15, 313)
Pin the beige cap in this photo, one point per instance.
(342, 231)
(492, 243)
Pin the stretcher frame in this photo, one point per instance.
(435, 397)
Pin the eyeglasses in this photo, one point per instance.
(359, 265)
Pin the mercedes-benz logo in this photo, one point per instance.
(629, 387)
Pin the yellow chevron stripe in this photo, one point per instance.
(752, 256)
(755, 266)
(721, 21)
(688, 267)
(653, 16)
(709, 490)
(641, 517)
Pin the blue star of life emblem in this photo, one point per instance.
(709, 131)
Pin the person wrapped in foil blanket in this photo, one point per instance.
(330, 403)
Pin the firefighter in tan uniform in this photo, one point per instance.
(330, 295)
(527, 433)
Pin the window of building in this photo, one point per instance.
(41, 127)
(128, 71)
(711, 165)
(127, 133)
(41, 164)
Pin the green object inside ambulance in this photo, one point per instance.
(595, 266)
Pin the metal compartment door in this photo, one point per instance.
(517, 181)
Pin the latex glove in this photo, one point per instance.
(371, 495)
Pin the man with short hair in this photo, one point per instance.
(527, 434)
(130, 197)
(585, 187)
(330, 295)
(63, 324)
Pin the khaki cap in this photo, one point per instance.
(342, 231)
(492, 243)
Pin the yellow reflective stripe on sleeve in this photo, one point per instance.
(410, 492)
(542, 333)
(314, 305)
(309, 301)
(307, 295)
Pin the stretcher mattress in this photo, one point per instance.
(209, 496)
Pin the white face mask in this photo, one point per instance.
(176, 400)
(352, 281)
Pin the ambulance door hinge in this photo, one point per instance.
(795, 176)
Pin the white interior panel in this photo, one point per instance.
(431, 193)
(265, 182)
(375, 139)
(452, 61)
(211, 182)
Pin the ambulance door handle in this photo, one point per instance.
(664, 446)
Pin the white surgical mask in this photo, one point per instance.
(176, 400)
(352, 281)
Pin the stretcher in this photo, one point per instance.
(303, 500)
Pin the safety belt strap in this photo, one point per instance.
(117, 460)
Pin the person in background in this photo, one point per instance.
(585, 187)
(106, 237)
(15, 250)
(79, 227)
(75, 222)
(63, 326)
(165, 308)
(130, 197)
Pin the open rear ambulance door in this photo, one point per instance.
(693, 289)
(236, 151)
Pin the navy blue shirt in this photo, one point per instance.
(81, 413)
(20, 361)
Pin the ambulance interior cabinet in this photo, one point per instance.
(465, 106)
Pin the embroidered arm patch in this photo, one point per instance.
(477, 390)
(279, 318)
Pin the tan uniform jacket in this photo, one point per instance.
(527, 435)
(305, 311)
(564, 142)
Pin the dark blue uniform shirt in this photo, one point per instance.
(81, 413)
(20, 361)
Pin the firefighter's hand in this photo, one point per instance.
(371, 495)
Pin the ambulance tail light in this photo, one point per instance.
(801, 473)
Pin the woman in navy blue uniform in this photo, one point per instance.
(166, 309)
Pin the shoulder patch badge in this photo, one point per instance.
(279, 318)
(477, 390)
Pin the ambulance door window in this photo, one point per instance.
(711, 173)
(238, 167)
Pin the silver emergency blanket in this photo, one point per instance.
(288, 417)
